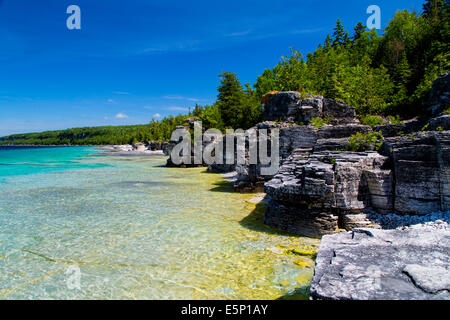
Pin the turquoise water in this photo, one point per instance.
(136, 230)
(26, 160)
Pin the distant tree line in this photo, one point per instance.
(389, 74)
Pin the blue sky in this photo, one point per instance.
(133, 60)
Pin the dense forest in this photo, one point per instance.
(387, 74)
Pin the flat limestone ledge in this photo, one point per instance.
(372, 264)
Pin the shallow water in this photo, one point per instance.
(136, 230)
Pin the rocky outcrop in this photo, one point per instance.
(249, 176)
(441, 123)
(439, 99)
(404, 128)
(320, 188)
(169, 148)
(156, 145)
(421, 168)
(370, 264)
(411, 176)
(139, 146)
(290, 106)
(224, 167)
(338, 112)
(278, 105)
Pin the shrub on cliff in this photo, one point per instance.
(361, 142)
(319, 122)
(372, 121)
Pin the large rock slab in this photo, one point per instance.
(371, 264)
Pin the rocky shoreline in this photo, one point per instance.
(382, 213)
(400, 179)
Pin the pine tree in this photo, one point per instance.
(433, 9)
(327, 44)
(340, 35)
(229, 100)
(359, 30)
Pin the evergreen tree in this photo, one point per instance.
(435, 9)
(359, 30)
(328, 43)
(229, 100)
(340, 35)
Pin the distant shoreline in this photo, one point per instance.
(49, 145)
(106, 148)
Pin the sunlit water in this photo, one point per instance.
(136, 230)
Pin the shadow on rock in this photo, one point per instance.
(255, 221)
(223, 186)
(301, 293)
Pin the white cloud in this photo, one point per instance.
(105, 118)
(112, 101)
(305, 31)
(181, 109)
(121, 116)
(238, 34)
(123, 93)
(156, 115)
(178, 97)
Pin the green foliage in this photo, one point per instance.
(340, 35)
(360, 142)
(394, 119)
(447, 111)
(372, 121)
(209, 116)
(425, 127)
(319, 122)
(238, 107)
(390, 74)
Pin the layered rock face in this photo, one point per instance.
(320, 189)
(421, 167)
(291, 137)
(370, 264)
(290, 106)
(411, 176)
(310, 194)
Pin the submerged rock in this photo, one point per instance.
(371, 264)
